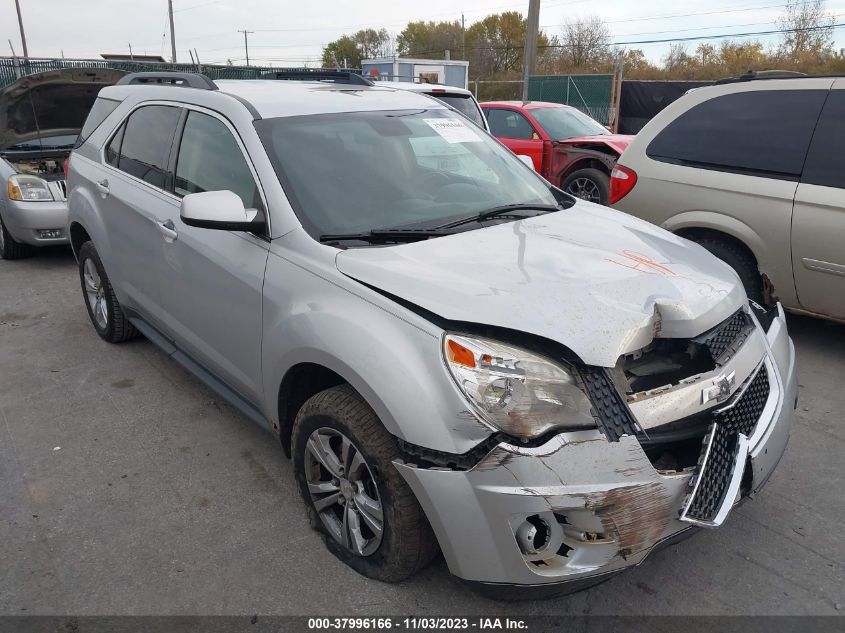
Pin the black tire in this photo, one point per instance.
(9, 247)
(738, 258)
(407, 542)
(599, 180)
(116, 327)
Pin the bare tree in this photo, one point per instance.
(809, 30)
(585, 42)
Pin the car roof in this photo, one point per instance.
(528, 105)
(423, 87)
(272, 98)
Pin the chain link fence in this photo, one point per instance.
(592, 94)
(13, 68)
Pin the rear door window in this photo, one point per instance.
(509, 124)
(762, 133)
(147, 138)
(210, 159)
(826, 161)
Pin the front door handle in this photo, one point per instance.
(103, 187)
(168, 229)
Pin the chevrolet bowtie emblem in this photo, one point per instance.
(720, 390)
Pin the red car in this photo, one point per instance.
(569, 149)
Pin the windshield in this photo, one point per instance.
(464, 104)
(561, 123)
(360, 171)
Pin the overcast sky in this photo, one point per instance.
(293, 33)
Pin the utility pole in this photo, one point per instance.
(532, 27)
(246, 43)
(172, 32)
(463, 38)
(20, 24)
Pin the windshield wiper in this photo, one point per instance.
(385, 235)
(494, 212)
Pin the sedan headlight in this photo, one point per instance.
(25, 187)
(514, 390)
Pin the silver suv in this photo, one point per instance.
(457, 355)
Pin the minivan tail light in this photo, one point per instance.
(622, 180)
(66, 166)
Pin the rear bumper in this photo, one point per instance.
(23, 220)
(603, 503)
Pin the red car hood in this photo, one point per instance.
(616, 142)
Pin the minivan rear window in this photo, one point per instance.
(826, 161)
(763, 133)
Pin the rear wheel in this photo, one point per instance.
(367, 514)
(105, 312)
(588, 184)
(9, 247)
(737, 257)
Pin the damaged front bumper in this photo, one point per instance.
(580, 506)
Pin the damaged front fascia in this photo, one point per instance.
(635, 515)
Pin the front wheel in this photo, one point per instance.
(9, 247)
(588, 184)
(367, 514)
(105, 312)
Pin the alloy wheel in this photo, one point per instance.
(343, 491)
(585, 189)
(95, 293)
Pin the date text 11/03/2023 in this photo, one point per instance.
(416, 624)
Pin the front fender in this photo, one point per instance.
(390, 355)
(82, 209)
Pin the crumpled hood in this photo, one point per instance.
(596, 280)
(617, 142)
(50, 103)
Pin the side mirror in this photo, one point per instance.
(527, 160)
(222, 210)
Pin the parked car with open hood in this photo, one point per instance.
(568, 148)
(753, 169)
(41, 116)
(455, 353)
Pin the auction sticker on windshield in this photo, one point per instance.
(453, 131)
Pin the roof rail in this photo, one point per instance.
(186, 80)
(320, 74)
(754, 75)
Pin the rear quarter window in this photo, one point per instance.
(100, 111)
(763, 133)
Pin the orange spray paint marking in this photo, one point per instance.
(643, 264)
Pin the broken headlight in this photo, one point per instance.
(25, 187)
(515, 390)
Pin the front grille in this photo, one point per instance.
(716, 467)
(614, 416)
(725, 339)
(743, 415)
(715, 474)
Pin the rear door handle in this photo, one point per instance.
(103, 187)
(168, 229)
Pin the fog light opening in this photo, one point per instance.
(49, 234)
(533, 535)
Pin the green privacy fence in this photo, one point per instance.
(12, 68)
(591, 94)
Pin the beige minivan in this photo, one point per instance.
(753, 169)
